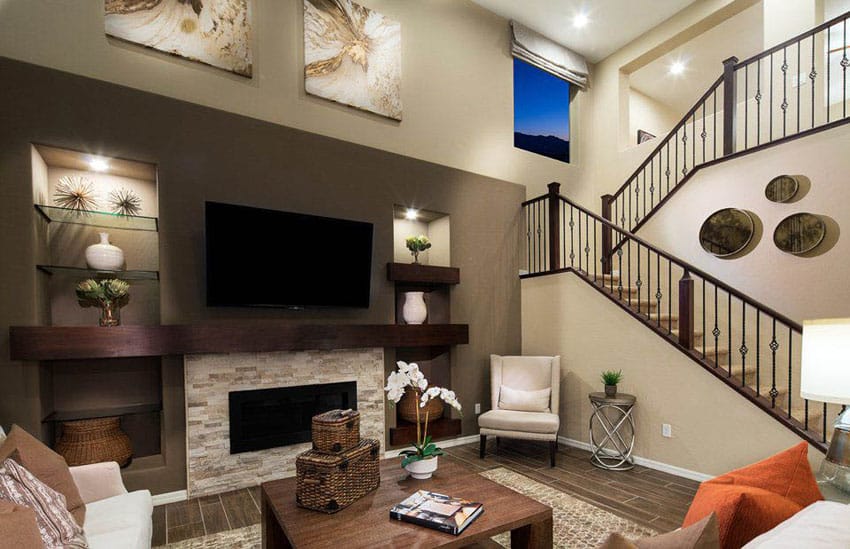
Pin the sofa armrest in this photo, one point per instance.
(18, 526)
(98, 481)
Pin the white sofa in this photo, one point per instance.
(115, 518)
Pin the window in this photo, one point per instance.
(541, 112)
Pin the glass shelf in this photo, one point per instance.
(80, 272)
(98, 219)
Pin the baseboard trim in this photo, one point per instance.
(170, 497)
(389, 454)
(650, 463)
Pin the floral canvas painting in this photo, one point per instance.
(214, 32)
(352, 55)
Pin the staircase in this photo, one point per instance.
(795, 89)
(745, 344)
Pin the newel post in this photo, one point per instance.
(554, 226)
(729, 105)
(686, 311)
(607, 242)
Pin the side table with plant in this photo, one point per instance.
(421, 460)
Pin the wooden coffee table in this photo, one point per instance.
(367, 522)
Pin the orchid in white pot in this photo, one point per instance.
(421, 460)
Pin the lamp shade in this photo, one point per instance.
(825, 369)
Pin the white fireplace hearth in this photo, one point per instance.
(211, 468)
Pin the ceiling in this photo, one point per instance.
(613, 23)
(741, 36)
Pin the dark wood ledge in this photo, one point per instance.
(422, 274)
(82, 342)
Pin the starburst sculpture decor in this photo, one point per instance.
(125, 202)
(75, 193)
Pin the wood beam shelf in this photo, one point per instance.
(88, 342)
(405, 432)
(428, 275)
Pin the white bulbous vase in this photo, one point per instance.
(414, 310)
(103, 256)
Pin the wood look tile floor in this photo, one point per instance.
(648, 497)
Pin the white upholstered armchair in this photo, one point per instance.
(524, 394)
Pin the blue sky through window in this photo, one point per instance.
(541, 108)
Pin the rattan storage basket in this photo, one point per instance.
(336, 431)
(407, 408)
(94, 440)
(328, 483)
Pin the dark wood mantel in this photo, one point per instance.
(82, 342)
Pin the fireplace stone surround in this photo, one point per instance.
(211, 468)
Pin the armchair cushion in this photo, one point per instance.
(510, 420)
(121, 521)
(47, 466)
(98, 481)
(524, 401)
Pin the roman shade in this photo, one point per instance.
(536, 49)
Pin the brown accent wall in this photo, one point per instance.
(205, 154)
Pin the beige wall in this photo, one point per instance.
(714, 428)
(799, 287)
(647, 114)
(457, 82)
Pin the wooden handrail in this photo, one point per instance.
(797, 327)
(791, 41)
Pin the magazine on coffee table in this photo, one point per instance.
(437, 511)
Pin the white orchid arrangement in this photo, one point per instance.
(409, 376)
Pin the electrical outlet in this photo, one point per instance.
(667, 430)
(477, 407)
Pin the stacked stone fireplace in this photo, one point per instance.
(210, 379)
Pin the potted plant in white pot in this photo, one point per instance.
(421, 460)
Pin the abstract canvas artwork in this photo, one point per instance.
(214, 32)
(352, 55)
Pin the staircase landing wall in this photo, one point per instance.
(714, 428)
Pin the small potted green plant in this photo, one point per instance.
(611, 379)
(110, 295)
(417, 245)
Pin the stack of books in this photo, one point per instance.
(437, 511)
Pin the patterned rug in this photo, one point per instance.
(576, 524)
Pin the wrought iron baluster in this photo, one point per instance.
(694, 140)
(729, 330)
(798, 86)
(629, 267)
(638, 282)
(844, 64)
(746, 107)
(572, 237)
(784, 105)
(790, 370)
(758, 102)
(828, 71)
(704, 333)
(774, 346)
(579, 240)
(684, 151)
(704, 134)
(651, 183)
(758, 352)
(644, 193)
(648, 281)
(667, 169)
(716, 331)
(587, 244)
(669, 297)
(714, 123)
(619, 271)
(564, 233)
(813, 74)
(595, 259)
(743, 348)
(770, 101)
(658, 294)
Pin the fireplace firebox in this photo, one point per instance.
(269, 418)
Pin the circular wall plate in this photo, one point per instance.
(782, 188)
(799, 233)
(726, 232)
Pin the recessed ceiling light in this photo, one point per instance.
(580, 20)
(677, 68)
(411, 214)
(98, 164)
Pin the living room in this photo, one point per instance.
(186, 132)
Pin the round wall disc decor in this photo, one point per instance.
(782, 188)
(726, 232)
(799, 233)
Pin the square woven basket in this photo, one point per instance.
(336, 431)
(330, 482)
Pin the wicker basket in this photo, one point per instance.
(328, 483)
(336, 431)
(93, 441)
(407, 408)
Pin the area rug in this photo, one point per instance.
(575, 524)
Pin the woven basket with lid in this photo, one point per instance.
(336, 431)
(330, 482)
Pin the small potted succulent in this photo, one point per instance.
(611, 379)
(416, 245)
(110, 295)
(421, 460)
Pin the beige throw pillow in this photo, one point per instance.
(524, 401)
(701, 535)
(55, 523)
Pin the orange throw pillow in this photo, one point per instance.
(752, 500)
(743, 512)
(787, 473)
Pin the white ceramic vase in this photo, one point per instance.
(103, 256)
(423, 468)
(414, 310)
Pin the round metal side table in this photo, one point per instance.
(613, 417)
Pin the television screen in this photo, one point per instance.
(267, 258)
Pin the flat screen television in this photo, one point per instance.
(268, 258)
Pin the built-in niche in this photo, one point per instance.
(415, 222)
(120, 199)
